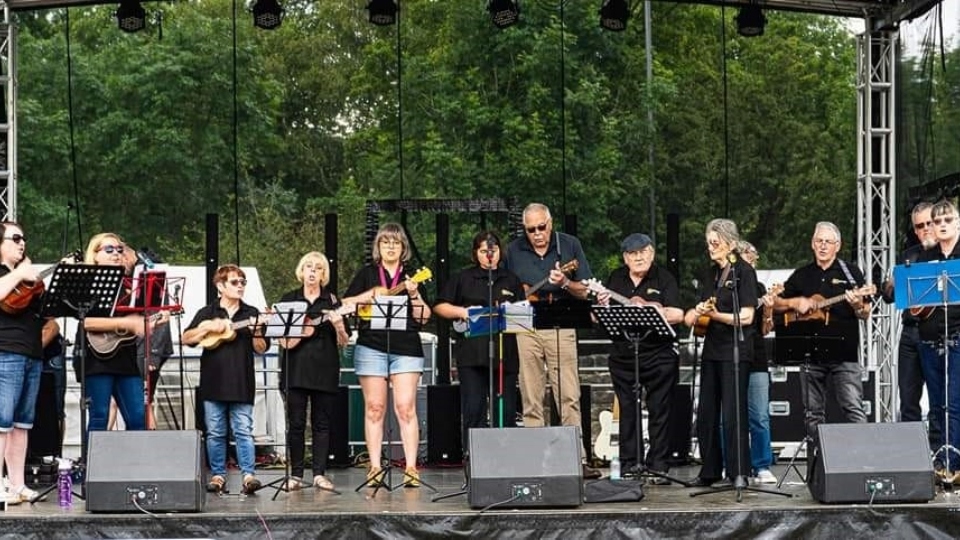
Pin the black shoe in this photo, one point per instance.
(702, 482)
(589, 473)
(724, 483)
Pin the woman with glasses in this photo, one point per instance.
(396, 355)
(728, 284)
(230, 332)
(112, 374)
(310, 370)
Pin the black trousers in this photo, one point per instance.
(321, 414)
(475, 397)
(717, 395)
(657, 378)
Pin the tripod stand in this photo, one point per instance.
(81, 291)
(637, 324)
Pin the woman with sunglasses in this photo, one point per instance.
(230, 331)
(310, 369)
(396, 355)
(114, 374)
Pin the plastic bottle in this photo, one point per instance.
(65, 483)
(615, 468)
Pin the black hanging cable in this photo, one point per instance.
(236, 159)
(73, 141)
(726, 127)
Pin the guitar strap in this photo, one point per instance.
(846, 272)
(722, 280)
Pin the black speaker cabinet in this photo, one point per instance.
(340, 430)
(159, 469)
(443, 416)
(525, 467)
(880, 462)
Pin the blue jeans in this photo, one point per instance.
(19, 384)
(241, 422)
(934, 371)
(758, 413)
(127, 390)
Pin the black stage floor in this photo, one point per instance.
(665, 512)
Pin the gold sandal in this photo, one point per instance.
(374, 477)
(322, 482)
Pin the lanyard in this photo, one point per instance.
(396, 277)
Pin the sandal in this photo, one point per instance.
(293, 484)
(411, 477)
(375, 477)
(216, 484)
(250, 484)
(322, 482)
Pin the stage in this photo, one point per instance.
(665, 512)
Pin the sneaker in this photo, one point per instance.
(216, 484)
(250, 484)
(10, 499)
(411, 477)
(764, 476)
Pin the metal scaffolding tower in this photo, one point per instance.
(8, 117)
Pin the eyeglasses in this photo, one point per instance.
(390, 242)
(824, 242)
(922, 226)
(16, 238)
(110, 250)
(537, 228)
(715, 243)
(240, 282)
(945, 219)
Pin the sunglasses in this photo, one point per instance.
(541, 227)
(16, 238)
(238, 282)
(946, 219)
(922, 226)
(110, 250)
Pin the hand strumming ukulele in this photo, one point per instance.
(214, 339)
(703, 321)
(365, 311)
(531, 290)
(820, 311)
(25, 291)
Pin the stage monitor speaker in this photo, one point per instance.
(882, 463)
(525, 467)
(160, 470)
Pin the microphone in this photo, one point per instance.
(176, 294)
(490, 245)
(144, 259)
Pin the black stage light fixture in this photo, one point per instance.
(750, 21)
(614, 15)
(383, 12)
(504, 13)
(267, 14)
(131, 16)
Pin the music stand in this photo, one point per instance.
(389, 313)
(933, 284)
(795, 350)
(636, 324)
(81, 291)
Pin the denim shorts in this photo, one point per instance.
(19, 384)
(373, 363)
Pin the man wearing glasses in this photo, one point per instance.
(827, 339)
(549, 355)
(231, 332)
(938, 334)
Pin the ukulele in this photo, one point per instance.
(775, 290)
(594, 286)
(365, 311)
(531, 290)
(104, 343)
(820, 311)
(25, 291)
(607, 445)
(212, 340)
(922, 312)
(703, 321)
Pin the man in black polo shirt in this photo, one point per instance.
(833, 332)
(549, 355)
(641, 282)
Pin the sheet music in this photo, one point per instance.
(517, 317)
(286, 320)
(389, 313)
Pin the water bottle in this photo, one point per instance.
(615, 468)
(65, 483)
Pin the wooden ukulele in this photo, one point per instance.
(922, 312)
(775, 290)
(25, 291)
(365, 311)
(104, 343)
(594, 286)
(212, 340)
(703, 321)
(531, 290)
(820, 311)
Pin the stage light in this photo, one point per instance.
(614, 15)
(750, 21)
(383, 12)
(130, 16)
(504, 13)
(267, 14)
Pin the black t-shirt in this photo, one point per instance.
(718, 340)
(398, 342)
(227, 371)
(839, 339)
(314, 364)
(470, 288)
(931, 328)
(659, 286)
(21, 333)
(531, 268)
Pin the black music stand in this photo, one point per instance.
(637, 324)
(389, 314)
(81, 291)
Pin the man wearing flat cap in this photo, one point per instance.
(642, 282)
